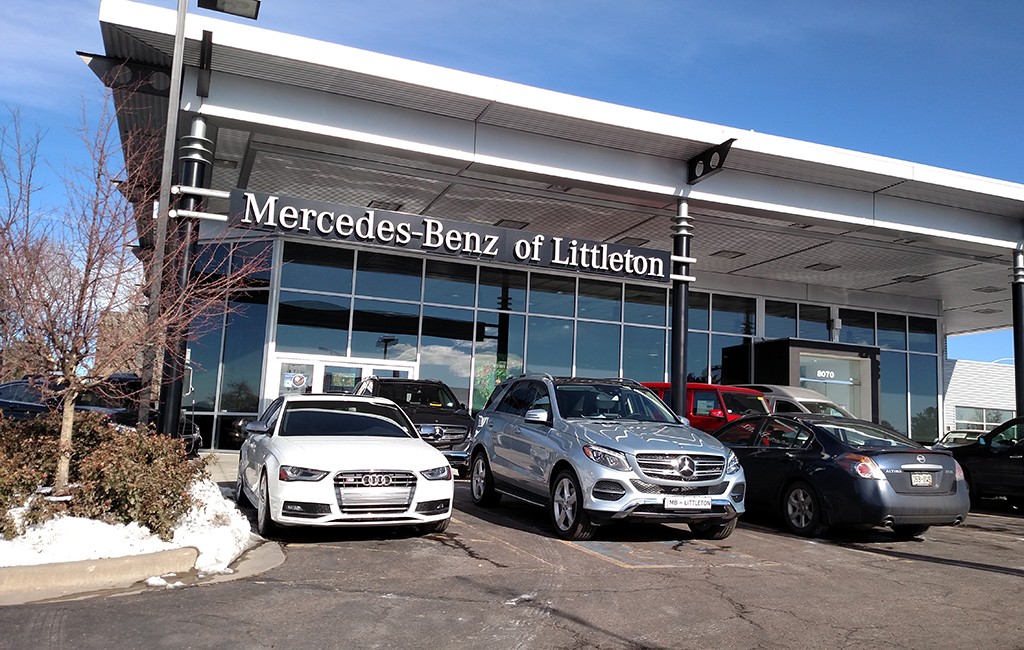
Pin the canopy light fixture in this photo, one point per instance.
(632, 241)
(988, 289)
(244, 8)
(987, 310)
(909, 278)
(511, 224)
(727, 254)
(391, 206)
(822, 266)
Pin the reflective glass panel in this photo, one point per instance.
(597, 350)
(549, 345)
(923, 336)
(501, 289)
(645, 305)
(253, 259)
(313, 323)
(779, 319)
(499, 352)
(643, 353)
(205, 336)
(388, 276)
(892, 411)
(600, 300)
(319, 268)
(733, 315)
(814, 322)
(697, 357)
(697, 313)
(924, 389)
(892, 332)
(448, 283)
(385, 330)
(553, 295)
(858, 327)
(446, 348)
(244, 333)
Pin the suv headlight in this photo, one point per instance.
(292, 473)
(442, 473)
(732, 464)
(607, 457)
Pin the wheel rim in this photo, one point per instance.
(564, 504)
(479, 477)
(800, 508)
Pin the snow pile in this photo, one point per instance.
(214, 526)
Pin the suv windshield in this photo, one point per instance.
(344, 419)
(418, 394)
(610, 401)
(743, 403)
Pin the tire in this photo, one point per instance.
(240, 499)
(909, 531)
(713, 529)
(481, 482)
(265, 524)
(568, 517)
(801, 510)
(435, 526)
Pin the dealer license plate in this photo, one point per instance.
(688, 503)
(921, 479)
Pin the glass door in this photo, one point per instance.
(840, 378)
(302, 374)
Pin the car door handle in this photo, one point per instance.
(1016, 457)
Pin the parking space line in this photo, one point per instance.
(462, 522)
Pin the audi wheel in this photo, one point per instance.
(265, 524)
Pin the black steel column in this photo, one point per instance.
(196, 154)
(682, 232)
(1018, 326)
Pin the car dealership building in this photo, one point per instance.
(425, 222)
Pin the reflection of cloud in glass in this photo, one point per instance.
(457, 361)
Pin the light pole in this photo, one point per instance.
(171, 399)
(385, 341)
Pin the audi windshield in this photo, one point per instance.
(375, 420)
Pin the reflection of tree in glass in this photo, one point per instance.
(239, 397)
(925, 425)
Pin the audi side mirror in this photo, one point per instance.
(256, 427)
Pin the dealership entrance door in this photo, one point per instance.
(296, 374)
(845, 373)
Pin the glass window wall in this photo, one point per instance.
(597, 349)
(388, 276)
(643, 353)
(600, 300)
(446, 348)
(317, 268)
(549, 345)
(313, 323)
(779, 319)
(447, 283)
(552, 295)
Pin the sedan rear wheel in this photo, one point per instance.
(801, 510)
(481, 482)
(568, 517)
(265, 524)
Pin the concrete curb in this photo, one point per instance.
(25, 584)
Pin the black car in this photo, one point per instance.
(994, 462)
(441, 418)
(818, 471)
(116, 398)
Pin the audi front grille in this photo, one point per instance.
(681, 467)
(374, 491)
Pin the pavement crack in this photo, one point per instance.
(452, 541)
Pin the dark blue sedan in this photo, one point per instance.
(818, 471)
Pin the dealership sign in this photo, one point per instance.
(348, 223)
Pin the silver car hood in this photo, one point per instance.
(632, 437)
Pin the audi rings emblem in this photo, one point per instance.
(376, 480)
(921, 458)
(686, 467)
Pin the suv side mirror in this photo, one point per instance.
(537, 416)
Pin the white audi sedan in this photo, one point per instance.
(342, 460)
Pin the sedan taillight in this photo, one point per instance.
(861, 466)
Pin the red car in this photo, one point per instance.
(709, 406)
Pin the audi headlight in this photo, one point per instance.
(292, 473)
(607, 457)
(443, 473)
(732, 464)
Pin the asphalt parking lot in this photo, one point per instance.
(497, 579)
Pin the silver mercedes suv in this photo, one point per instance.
(595, 451)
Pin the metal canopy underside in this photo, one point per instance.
(966, 282)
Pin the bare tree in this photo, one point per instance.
(74, 271)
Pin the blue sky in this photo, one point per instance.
(938, 83)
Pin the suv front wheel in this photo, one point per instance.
(481, 483)
(568, 517)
